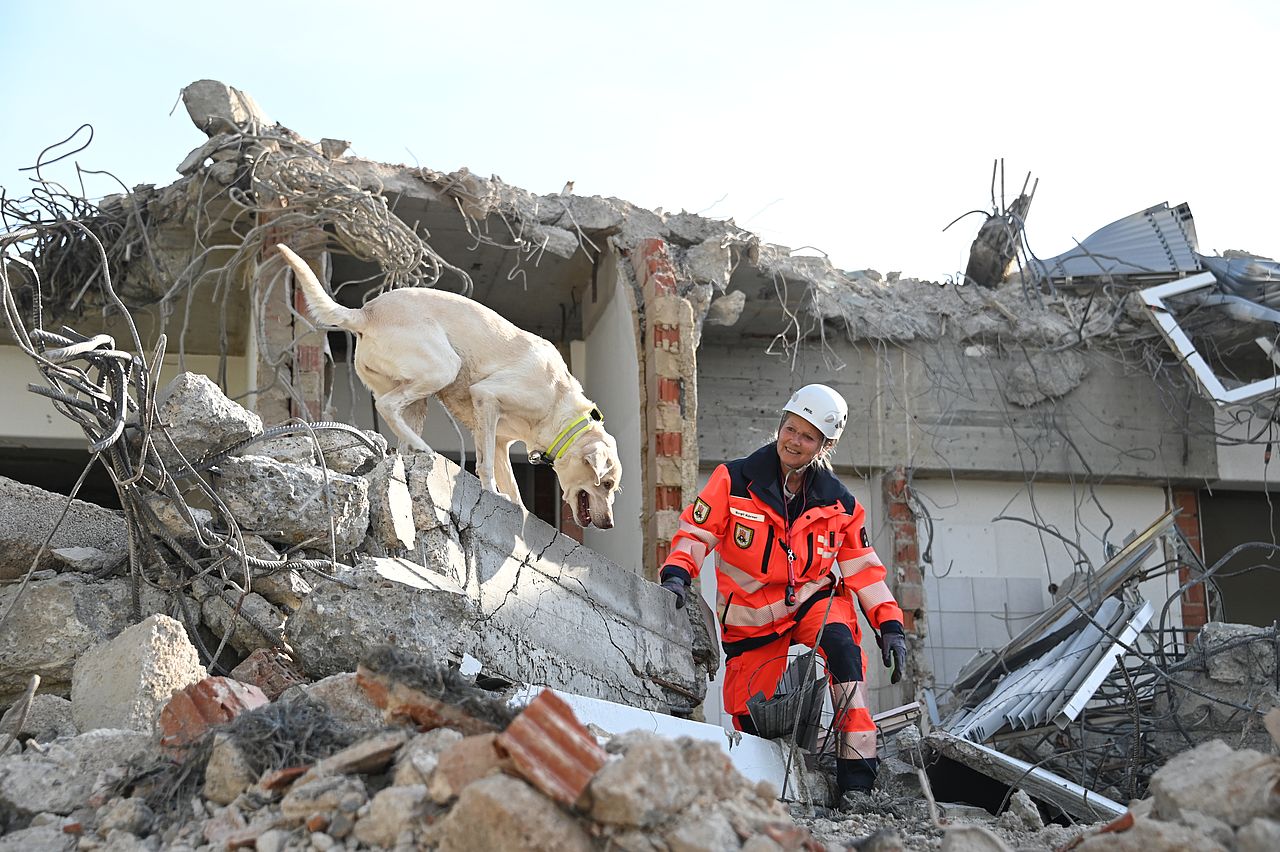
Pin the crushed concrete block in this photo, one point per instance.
(702, 829)
(29, 514)
(710, 262)
(344, 699)
(592, 214)
(86, 560)
(218, 108)
(656, 778)
(1144, 834)
(38, 838)
(200, 419)
(238, 622)
(1043, 375)
(327, 796)
(971, 838)
(343, 452)
(392, 812)
(57, 620)
(1260, 835)
(228, 772)
(462, 763)
(1024, 811)
(558, 241)
(172, 519)
(500, 812)
(129, 814)
(1215, 780)
(421, 755)
(390, 505)
(47, 718)
(63, 776)
(726, 309)
(371, 755)
(125, 683)
(286, 503)
(203, 705)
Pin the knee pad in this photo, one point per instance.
(844, 657)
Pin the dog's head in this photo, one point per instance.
(590, 473)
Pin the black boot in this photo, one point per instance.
(856, 774)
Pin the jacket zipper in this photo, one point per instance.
(808, 562)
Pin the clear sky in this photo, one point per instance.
(860, 128)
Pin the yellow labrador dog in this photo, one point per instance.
(504, 384)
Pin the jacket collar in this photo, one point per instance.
(763, 473)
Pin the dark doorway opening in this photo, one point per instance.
(1249, 582)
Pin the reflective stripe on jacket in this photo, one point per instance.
(740, 515)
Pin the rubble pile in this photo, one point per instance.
(404, 754)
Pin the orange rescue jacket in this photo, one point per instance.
(771, 568)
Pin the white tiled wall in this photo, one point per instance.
(989, 577)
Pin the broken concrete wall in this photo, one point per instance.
(943, 407)
(532, 605)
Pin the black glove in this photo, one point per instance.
(676, 581)
(893, 648)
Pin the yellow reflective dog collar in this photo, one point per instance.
(570, 433)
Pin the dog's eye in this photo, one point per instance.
(608, 484)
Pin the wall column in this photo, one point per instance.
(670, 399)
(1195, 610)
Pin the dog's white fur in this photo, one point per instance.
(504, 384)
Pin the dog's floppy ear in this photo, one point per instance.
(598, 459)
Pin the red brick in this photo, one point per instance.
(669, 497)
(212, 701)
(469, 759)
(911, 574)
(668, 443)
(909, 621)
(906, 553)
(271, 671)
(663, 548)
(669, 390)
(900, 511)
(666, 337)
(910, 596)
(552, 749)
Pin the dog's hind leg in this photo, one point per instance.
(485, 432)
(394, 405)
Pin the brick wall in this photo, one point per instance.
(1194, 608)
(904, 568)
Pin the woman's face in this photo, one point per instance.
(799, 441)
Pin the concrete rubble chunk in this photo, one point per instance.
(342, 451)
(710, 262)
(126, 682)
(1144, 834)
(202, 705)
(1260, 835)
(286, 503)
(390, 505)
(86, 560)
(726, 309)
(1220, 782)
(592, 214)
(47, 718)
(200, 419)
(702, 831)
(393, 812)
(1043, 375)
(59, 618)
(216, 108)
(342, 696)
(235, 615)
(326, 795)
(29, 514)
(228, 772)
(369, 756)
(421, 755)
(500, 812)
(462, 763)
(174, 521)
(130, 814)
(61, 778)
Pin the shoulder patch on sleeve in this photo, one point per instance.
(701, 511)
(863, 537)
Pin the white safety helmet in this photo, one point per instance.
(822, 407)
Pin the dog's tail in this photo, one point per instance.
(323, 309)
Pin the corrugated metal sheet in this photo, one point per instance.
(1160, 240)
(1055, 686)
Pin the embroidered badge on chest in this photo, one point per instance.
(742, 535)
(701, 511)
